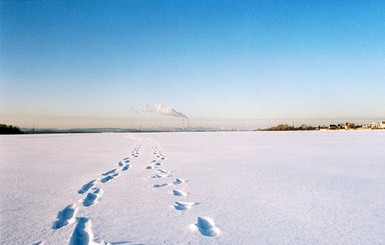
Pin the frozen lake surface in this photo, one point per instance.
(194, 188)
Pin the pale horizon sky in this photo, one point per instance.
(246, 64)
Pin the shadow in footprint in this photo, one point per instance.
(86, 187)
(39, 243)
(82, 233)
(180, 193)
(159, 176)
(179, 181)
(106, 179)
(109, 172)
(92, 197)
(182, 206)
(207, 227)
(65, 217)
(160, 185)
(163, 171)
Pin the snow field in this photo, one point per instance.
(255, 187)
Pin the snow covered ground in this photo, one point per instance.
(194, 188)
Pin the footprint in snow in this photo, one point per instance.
(176, 182)
(115, 175)
(180, 193)
(109, 177)
(109, 172)
(182, 206)
(82, 234)
(92, 197)
(86, 187)
(149, 167)
(206, 226)
(127, 167)
(106, 179)
(160, 185)
(179, 181)
(65, 217)
(159, 176)
(164, 171)
(39, 243)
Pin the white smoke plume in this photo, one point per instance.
(165, 111)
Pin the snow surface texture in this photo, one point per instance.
(194, 188)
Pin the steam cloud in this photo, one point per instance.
(165, 111)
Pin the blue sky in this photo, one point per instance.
(221, 63)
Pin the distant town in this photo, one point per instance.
(340, 126)
(10, 129)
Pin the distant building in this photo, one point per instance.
(349, 125)
(382, 125)
(374, 125)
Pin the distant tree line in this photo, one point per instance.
(9, 129)
(286, 127)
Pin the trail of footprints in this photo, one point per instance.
(162, 173)
(92, 191)
(205, 225)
